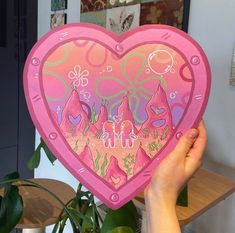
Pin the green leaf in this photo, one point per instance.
(89, 224)
(56, 227)
(11, 209)
(49, 154)
(183, 197)
(11, 176)
(34, 161)
(78, 217)
(8, 177)
(121, 230)
(126, 216)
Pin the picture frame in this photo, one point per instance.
(58, 19)
(58, 5)
(169, 12)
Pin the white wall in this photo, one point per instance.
(212, 24)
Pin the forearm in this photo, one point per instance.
(168, 179)
(161, 216)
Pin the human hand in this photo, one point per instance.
(178, 167)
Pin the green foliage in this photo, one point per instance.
(84, 214)
(183, 197)
(11, 204)
(35, 158)
(56, 227)
(49, 154)
(34, 161)
(81, 211)
(122, 230)
(88, 224)
(8, 179)
(126, 217)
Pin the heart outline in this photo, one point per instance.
(75, 120)
(119, 45)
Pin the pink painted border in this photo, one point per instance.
(144, 34)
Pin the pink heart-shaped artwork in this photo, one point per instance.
(112, 107)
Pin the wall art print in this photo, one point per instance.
(117, 3)
(169, 12)
(174, 13)
(93, 5)
(95, 17)
(123, 19)
(112, 107)
(58, 19)
(58, 5)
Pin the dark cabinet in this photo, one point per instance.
(18, 33)
(8, 98)
(8, 161)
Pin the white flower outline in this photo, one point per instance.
(79, 76)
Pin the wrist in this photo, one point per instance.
(160, 213)
(163, 199)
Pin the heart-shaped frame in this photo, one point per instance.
(168, 55)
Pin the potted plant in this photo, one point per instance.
(82, 211)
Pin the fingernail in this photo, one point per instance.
(193, 134)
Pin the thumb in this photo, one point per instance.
(186, 142)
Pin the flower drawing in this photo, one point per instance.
(79, 76)
(138, 87)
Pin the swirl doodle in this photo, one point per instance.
(62, 80)
(131, 86)
(61, 60)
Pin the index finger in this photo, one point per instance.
(200, 143)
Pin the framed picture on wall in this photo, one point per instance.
(58, 5)
(170, 12)
(123, 15)
(58, 19)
